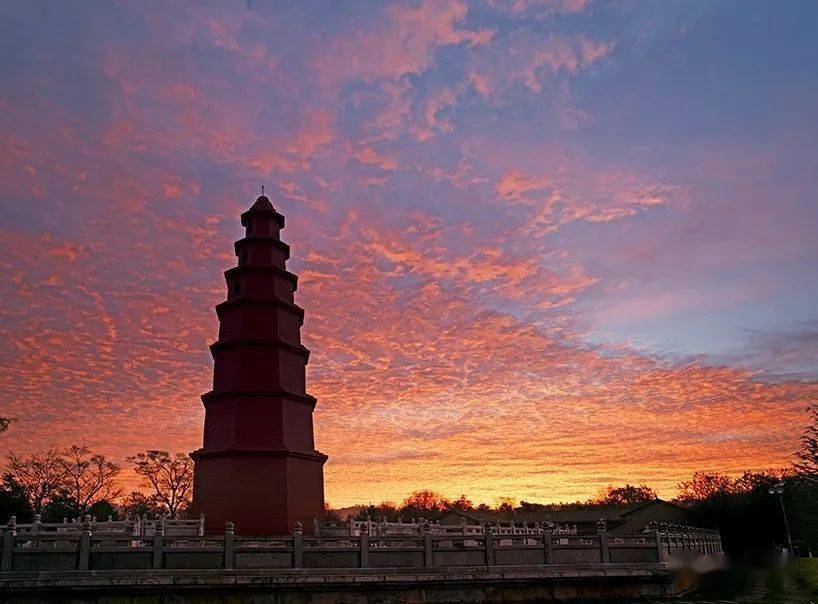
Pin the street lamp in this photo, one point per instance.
(778, 489)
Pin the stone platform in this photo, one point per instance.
(385, 585)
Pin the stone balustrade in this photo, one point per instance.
(89, 550)
(137, 526)
(377, 527)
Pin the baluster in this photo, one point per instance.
(8, 544)
(548, 544)
(488, 543)
(660, 554)
(297, 545)
(602, 534)
(85, 545)
(428, 553)
(229, 545)
(158, 544)
(364, 547)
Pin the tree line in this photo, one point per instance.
(76, 482)
(742, 508)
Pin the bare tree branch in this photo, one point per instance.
(41, 476)
(90, 478)
(5, 422)
(170, 477)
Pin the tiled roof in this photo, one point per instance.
(262, 203)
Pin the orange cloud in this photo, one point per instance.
(403, 43)
(514, 185)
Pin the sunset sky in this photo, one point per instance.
(544, 246)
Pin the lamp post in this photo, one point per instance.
(778, 489)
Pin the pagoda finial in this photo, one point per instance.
(262, 189)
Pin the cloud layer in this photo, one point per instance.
(529, 267)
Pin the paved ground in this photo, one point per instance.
(496, 584)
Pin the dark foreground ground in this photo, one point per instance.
(795, 583)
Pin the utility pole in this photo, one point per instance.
(778, 489)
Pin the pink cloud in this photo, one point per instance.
(514, 185)
(404, 43)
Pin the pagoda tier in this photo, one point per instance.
(258, 466)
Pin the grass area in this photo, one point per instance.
(805, 571)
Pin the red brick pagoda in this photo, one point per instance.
(258, 467)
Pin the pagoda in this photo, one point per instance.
(258, 466)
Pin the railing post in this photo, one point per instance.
(35, 526)
(298, 551)
(428, 553)
(201, 524)
(489, 545)
(85, 545)
(660, 550)
(548, 544)
(602, 533)
(8, 544)
(364, 550)
(158, 544)
(229, 542)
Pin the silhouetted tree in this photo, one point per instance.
(5, 422)
(705, 485)
(462, 503)
(627, 495)
(527, 506)
(425, 500)
(385, 509)
(806, 458)
(13, 501)
(331, 515)
(742, 509)
(89, 478)
(103, 509)
(60, 505)
(139, 504)
(170, 477)
(41, 476)
(505, 506)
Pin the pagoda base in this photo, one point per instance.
(260, 492)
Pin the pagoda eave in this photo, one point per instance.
(257, 211)
(257, 239)
(246, 300)
(283, 452)
(296, 348)
(215, 397)
(249, 268)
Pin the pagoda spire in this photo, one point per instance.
(258, 466)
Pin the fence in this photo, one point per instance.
(376, 528)
(55, 551)
(139, 526)
(677, 538)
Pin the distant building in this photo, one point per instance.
(619, 519)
